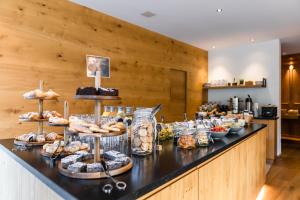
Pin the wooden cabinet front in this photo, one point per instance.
(238, 173)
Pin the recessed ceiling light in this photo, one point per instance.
(219, 10)
(213, 47)
(148, 14)
(252, 40)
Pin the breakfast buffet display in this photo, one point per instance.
(95, 146)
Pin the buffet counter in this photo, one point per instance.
(231, 168)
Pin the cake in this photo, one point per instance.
(108, 92)
(111, 164)
(123, 160)
(112, 155)
(86, 91)
(94, 167)
(65, 162)
(77, 167)
(85, 155)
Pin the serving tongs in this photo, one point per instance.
(56, 155)
(107, 188)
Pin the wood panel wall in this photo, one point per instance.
(49, 39)
(290, 93)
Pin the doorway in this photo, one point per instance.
(178, 85)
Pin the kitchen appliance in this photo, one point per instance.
(269, 111)
(235, 105)
(255, 110)
(248, 105)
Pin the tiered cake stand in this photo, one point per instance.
(65, 126)
(97, 137)
(39, 121)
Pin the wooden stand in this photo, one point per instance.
(40, 121)
(97, 137)
(98, 99)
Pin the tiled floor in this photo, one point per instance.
(283, 180)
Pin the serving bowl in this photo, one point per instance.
(219, 135)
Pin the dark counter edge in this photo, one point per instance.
(266, 118)
(188, 167)
(141, 191)
(57, 189)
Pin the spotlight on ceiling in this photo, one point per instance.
(148, 14)
(219, 10)
(213, 47)
(252, 40)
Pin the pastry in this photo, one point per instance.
(40, 138)
(72, 148)
(34, 94)
(47, 114)
(30, 116)
(77, 167)
(94, 167)
(50, 94)
(52, 148)
(84, 146)
(80, 129)
(51, 136)
(58, 120)
(66, 161)
(29, 137)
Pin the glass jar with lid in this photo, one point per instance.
(143, 132)
(203, 138)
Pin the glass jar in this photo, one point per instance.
(203, 138)
(106, 111)
(187, 140)
(143, 132)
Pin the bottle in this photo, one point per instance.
(235, 105)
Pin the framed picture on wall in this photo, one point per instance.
(95, 63)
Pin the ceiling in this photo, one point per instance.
(198, 23)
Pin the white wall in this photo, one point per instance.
(249, 62)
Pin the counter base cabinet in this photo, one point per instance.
(237, 174)
(16, 183)
(271, 137)
(185, 188)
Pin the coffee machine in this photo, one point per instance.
(249, 104)
(235, 104)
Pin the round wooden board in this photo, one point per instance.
(96, 97)
(94, 175)
(23, 143)
(30, 120)
(42, 98)
(110, 134)
(48, 155)
(59, 125)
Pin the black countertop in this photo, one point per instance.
(147, 173)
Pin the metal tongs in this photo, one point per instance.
(55, 155)
(107, 188)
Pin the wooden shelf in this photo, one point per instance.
(96, 97)
(234, 87)
(290, 117)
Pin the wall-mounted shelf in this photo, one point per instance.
(234, 87)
